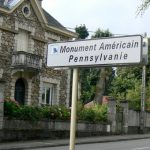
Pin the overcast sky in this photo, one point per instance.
(119, 16)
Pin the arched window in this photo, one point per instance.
(20, 91)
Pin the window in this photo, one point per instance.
(26, 10)
(48, 93)
(22, 41)
(10, 3)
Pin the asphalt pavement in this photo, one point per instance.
(138, 144)
(20, 145)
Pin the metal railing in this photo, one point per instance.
(26, 60)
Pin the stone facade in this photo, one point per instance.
(26, 67)
(1, 105)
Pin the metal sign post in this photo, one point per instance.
(142, 115)
(145, 62)
(74, 108)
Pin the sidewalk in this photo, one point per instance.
(63, 142)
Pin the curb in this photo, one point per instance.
(78, 142)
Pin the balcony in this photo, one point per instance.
(26, 61)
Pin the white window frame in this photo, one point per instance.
(48, 98)
(45, 81)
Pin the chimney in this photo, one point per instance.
(40, 2)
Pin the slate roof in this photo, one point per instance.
(52, 21)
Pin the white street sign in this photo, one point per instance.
(113, 51)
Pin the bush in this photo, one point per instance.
(30, 113)
(12, 110)
(135, 104)
(87, 114)
(65, 113)
(56, 112)
(100, 113)
(97, 113)
(45, 112)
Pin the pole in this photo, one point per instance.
(142, 115)
(73, 108)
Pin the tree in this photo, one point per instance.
(82, 31)
(144, 6)
(104, 72)
(82, 34)
(89, 77)
(101, 33)
(93, 81)
(123, 81)
(127, 84)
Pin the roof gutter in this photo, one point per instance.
(64, 32)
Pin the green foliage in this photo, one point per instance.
(80, 107)
(100, 113)
(127, 84)
(65, 113)
(11, 108)
(147, 105)
(96, 113)
(32, 113)
(101, 33)
(144, 6)
(88, 78)
(134, 96)
(121, 84)
(82, 32)
(46, 113)
(87, 114)
(55, 112)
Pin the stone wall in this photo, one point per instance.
(147, 120)
(133, 118)
(128, 121)
(25, 130)
(134, 121)
(7, 46)
(35, 90)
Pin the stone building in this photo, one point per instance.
(25, 31)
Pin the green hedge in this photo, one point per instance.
(96, 113)
(13, 110)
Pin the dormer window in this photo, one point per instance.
(10, 3)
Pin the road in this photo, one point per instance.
(142, 144)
